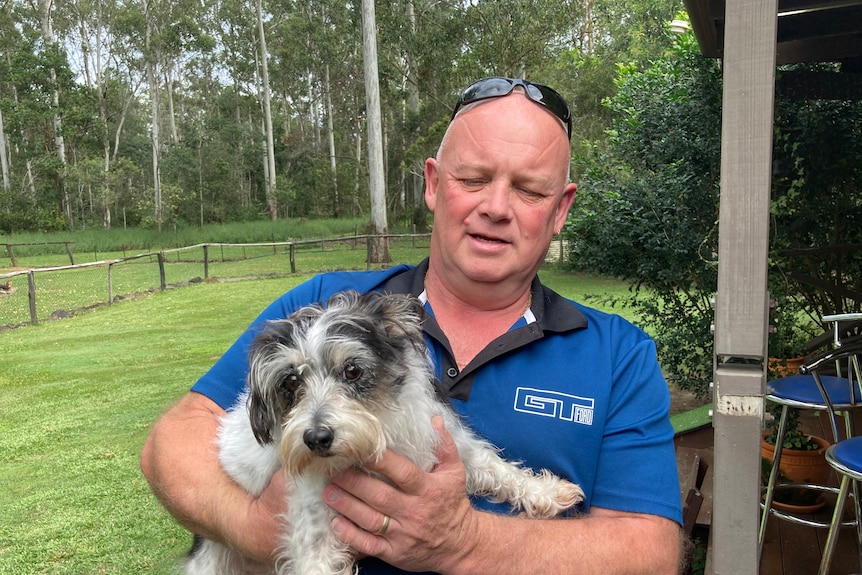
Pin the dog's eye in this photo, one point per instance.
(352, 372)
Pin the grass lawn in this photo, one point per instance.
(77, 399)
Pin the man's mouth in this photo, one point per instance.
(487, 239)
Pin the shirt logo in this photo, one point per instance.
(555, 404)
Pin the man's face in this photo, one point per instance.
(499, 190)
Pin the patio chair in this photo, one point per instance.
(845, 457)
(829, 382)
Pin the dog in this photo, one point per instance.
(331, 388)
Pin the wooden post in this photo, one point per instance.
(110, 284)
(741, 307)
(31, 294)
(11, 255)
(161, 258)
(206, 262)
(292, 258)
(69, 252)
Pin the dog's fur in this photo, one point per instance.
(332, 388)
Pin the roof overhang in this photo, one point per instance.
(808, 31)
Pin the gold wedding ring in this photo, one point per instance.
(383, 528)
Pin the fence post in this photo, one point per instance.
(110, 284)
(292, 258)
(69, 251)
(31, 294)
(161, 257)
(11, 255)
(206, 262)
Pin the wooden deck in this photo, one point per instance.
(788, 549)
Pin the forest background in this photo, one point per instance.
(152, 112)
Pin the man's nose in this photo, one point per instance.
(496, 202)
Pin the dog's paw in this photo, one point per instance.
(552, 496)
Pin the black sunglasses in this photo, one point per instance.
(497, 87)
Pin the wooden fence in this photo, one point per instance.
(80, 286)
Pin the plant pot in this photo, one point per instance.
(800, 466)
(783, 367)
(797, 500)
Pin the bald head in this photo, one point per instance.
(514, 115)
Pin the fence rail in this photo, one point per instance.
(27, 294)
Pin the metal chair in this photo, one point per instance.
(837, 394)
(845, 457)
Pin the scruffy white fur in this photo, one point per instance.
(331, 388)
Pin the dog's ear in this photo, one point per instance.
(400, 315)
(261, 416)
(265, 405)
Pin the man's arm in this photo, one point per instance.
(433, 527)
(180, 461)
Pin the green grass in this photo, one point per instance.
(692, 419)
(77, 399)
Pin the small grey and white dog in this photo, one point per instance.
(331, 388)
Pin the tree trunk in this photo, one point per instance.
(378, 246)
(4, 158)
(416, 178)
(331, 136)
(271, 200)
(59, 142)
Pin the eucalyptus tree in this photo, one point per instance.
(8, 39)
(36, 87)
(46, 21)
(272, 202)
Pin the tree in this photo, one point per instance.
(267, 116)
(648, 204)
(378, 251)
(176, 89)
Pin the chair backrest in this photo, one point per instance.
(845, 363)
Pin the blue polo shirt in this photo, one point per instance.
(568, 388)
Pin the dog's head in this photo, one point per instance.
(320, 380)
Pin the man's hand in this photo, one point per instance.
(430, 513)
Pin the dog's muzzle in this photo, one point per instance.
(319, 440)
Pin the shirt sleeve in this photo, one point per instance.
(637, 469)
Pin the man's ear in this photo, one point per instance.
(563, 208)
(432, 178)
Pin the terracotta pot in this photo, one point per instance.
(793, 492)
(800, 466)
(784, 367)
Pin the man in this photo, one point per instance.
(552, 383)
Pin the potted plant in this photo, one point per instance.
(789, 334)
(802, 460)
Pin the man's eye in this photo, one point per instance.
(352, 372)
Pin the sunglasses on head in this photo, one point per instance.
(497, 87)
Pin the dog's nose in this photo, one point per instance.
(318, 439)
